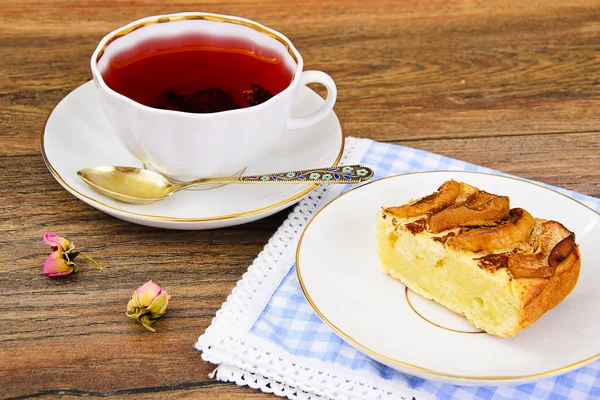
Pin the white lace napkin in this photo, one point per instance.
(267, 336)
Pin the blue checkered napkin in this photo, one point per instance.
(290, 324)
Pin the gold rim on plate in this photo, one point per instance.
(70, 189)
(412, 307)
(405, 365)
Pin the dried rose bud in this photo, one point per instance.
(56, 242)
(61, 261)
(147, 304)
(58, 264)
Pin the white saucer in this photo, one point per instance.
(340, 274)
(77, 135)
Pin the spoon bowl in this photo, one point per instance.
(141, 186)
(127, 184)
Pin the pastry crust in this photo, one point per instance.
(538, 295)
(522, 268)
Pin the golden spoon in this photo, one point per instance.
(140, 186)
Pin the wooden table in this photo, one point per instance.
(510, 85)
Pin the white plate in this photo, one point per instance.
(341, 277)
(77, 135)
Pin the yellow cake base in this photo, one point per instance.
(491, 301)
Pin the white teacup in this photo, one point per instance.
(187, 146)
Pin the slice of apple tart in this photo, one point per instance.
(466, 249)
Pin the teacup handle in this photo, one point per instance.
(325, 80)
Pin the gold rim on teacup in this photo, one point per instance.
(159, 19)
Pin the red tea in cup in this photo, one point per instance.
(198, 73)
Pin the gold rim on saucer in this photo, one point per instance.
(290, 199)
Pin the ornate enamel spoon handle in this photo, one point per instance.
(341, 174)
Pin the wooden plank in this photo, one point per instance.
(509, 85)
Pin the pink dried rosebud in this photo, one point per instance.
(56, 242)
(147, 304)
(57, 264)
(61, 261)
